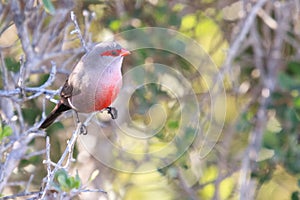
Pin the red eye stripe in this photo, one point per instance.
(111, 52)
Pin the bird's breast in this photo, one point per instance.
(107, 93)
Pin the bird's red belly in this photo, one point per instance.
(106, 96)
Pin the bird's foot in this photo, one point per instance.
(113, 112)
(83, 130)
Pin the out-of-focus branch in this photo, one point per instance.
(188, 190)
(88, 18)
(240, 37)
(15, 155)
(22, 28)
(22, 194)
(247, 186)
(269, 72)
(78, 32)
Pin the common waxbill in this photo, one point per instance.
(94, 82)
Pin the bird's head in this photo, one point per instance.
(106, 53)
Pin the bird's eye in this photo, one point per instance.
(114, 53)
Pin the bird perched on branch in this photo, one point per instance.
(94, 82)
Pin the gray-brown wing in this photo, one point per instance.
(67, 90)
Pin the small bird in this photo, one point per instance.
(94, 82)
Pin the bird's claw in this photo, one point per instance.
(83, 129)
(113, 112)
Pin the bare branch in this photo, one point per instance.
(247, 186)
(12, 160)
(68, 153)
(37, 90)
(41, 90)
(78, 32)
(244, 30)
(22, 194)
(23, 33)
(48, 162)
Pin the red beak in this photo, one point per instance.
(124, 52)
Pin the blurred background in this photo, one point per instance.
(241, 58)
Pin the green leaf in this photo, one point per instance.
(265, 154)
(11, 64)
(297, 102)
(188, 22)
(288, 82)
(77, 182)
(115, 25)
(273, 125)
(62, 180)
(48, 6)
(65, 182)
(295, 196)
(173, 124)
(293, 68)
(5, 131)
(61, 177)
(271, 140)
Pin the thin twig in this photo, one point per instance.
(41, 89)
(22, 194)
(23, 33)
(240, 37)
(78, 32)
(28, 183)
(247, 185)
(22, 73)
(37, 90)
(35, 153)
(69, 150)
(88, 17)
(20, 118)
(76, 192)
(4, 72)
(48, 162)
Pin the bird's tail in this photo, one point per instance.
(57, 111)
